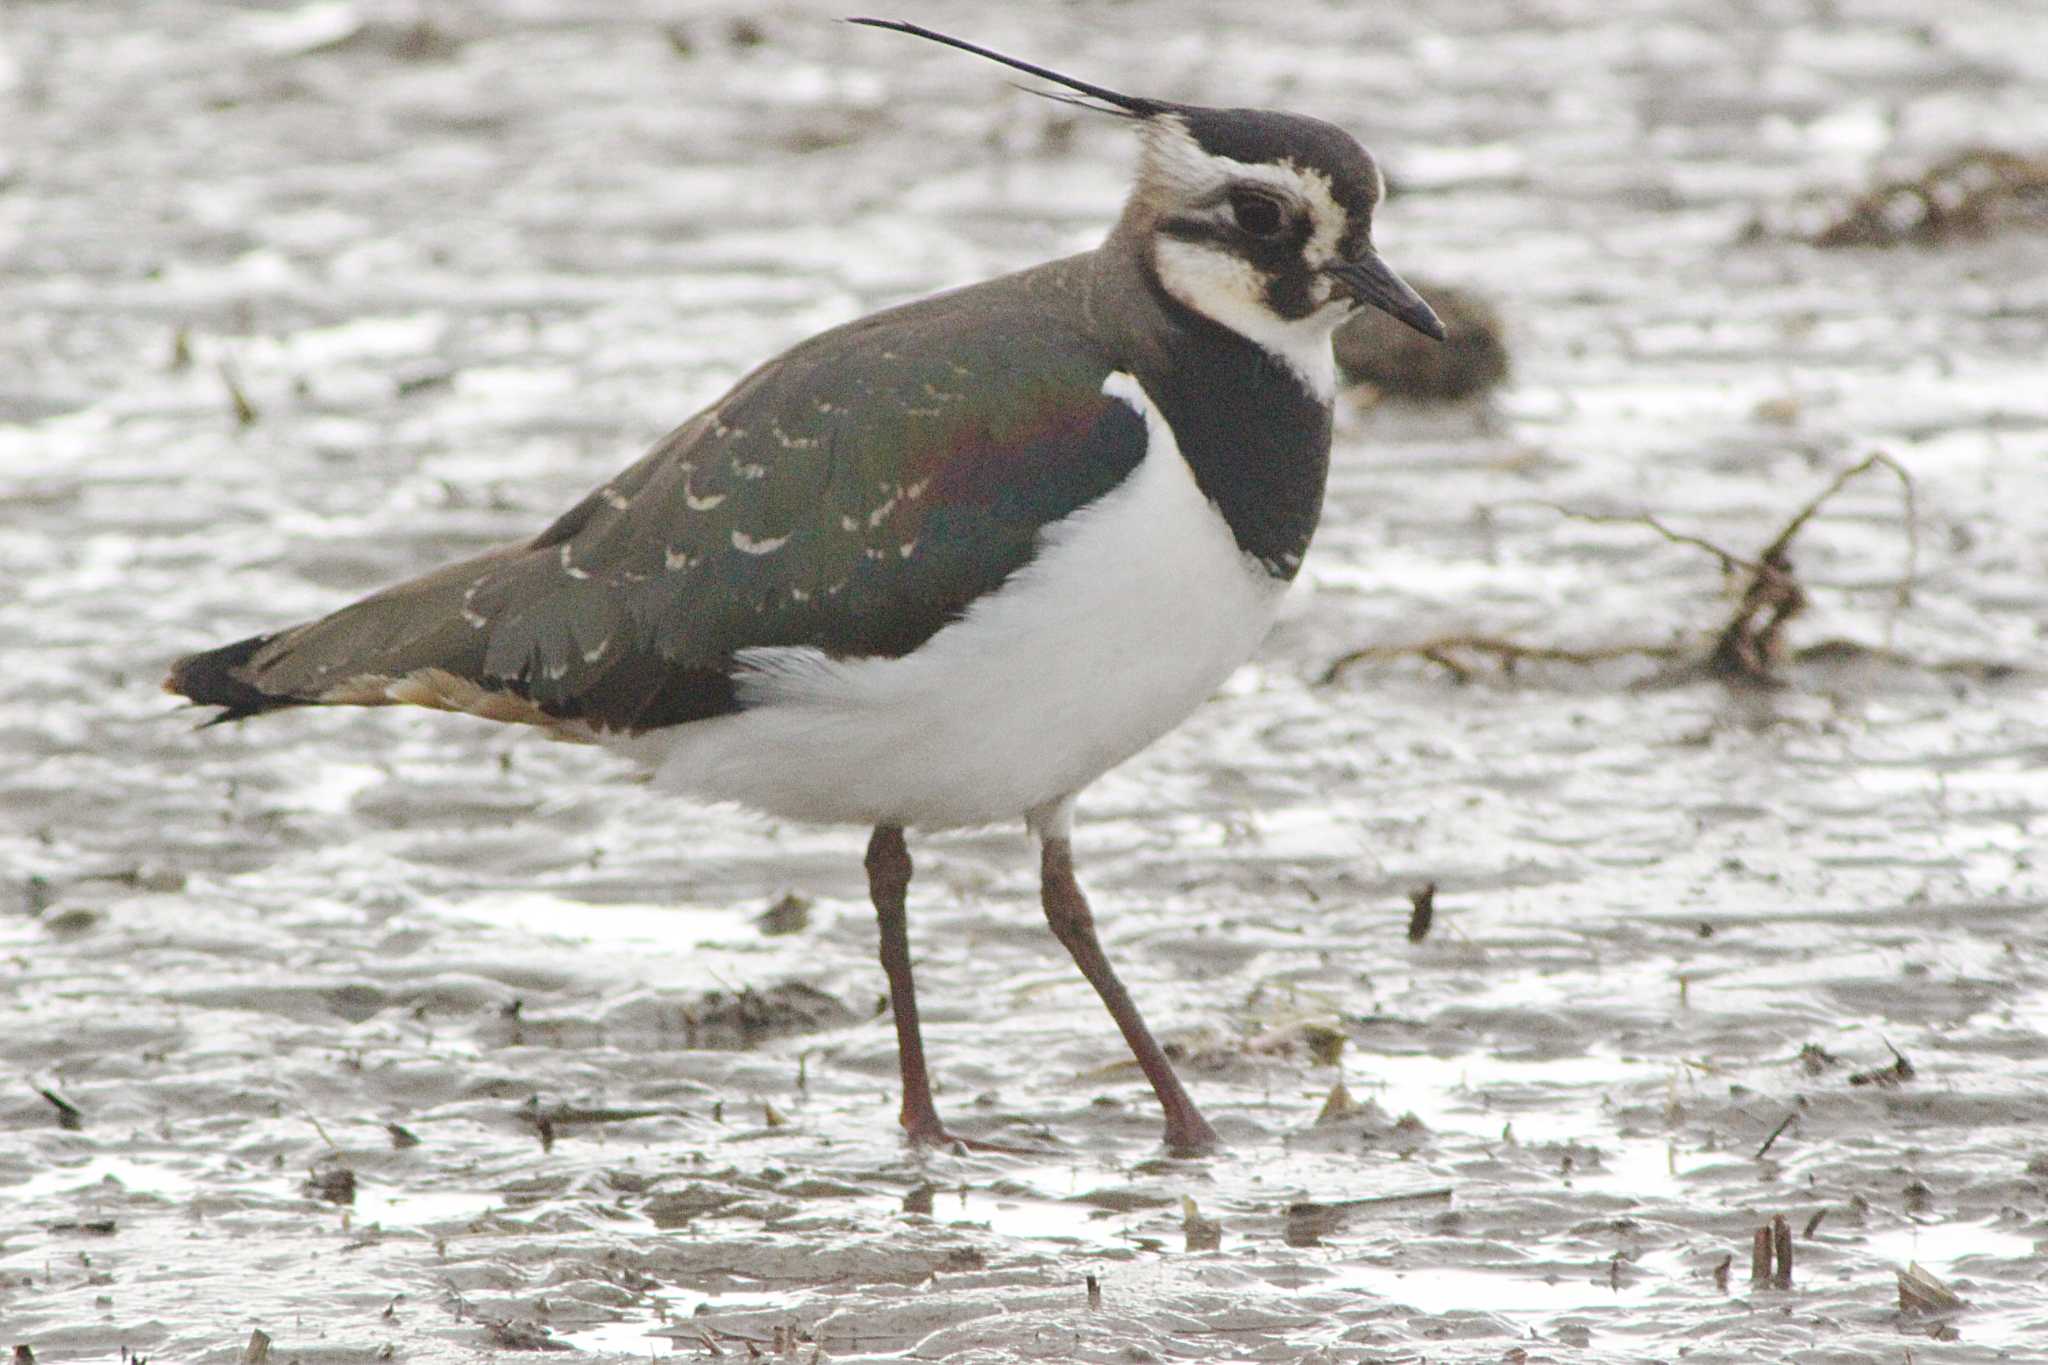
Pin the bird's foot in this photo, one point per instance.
(1189, 1134)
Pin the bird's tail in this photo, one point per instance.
(410, 644)
(214, 678)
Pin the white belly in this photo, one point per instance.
(1130, 615)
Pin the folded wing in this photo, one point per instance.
(853, 496)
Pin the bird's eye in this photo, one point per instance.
(1259, 215)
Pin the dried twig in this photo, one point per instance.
(1770, 1254)
(1443, 650)
(1423, 901)
(245, 411)
(1746, 649)
(510, 1334)
(69, 1116)
(1730, 561)
(1897, 1073)
(1783, 1124)
(1750, 645)
(1308, 1219)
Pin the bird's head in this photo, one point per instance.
(1259, 221)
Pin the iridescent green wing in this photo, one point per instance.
(853, 496)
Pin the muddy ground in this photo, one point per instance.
(301, 299)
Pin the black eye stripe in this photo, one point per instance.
(1281, 251)
(1194, 230)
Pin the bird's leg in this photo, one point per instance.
(1073, 924)
(888, 885)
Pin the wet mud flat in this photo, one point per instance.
(394, 1037)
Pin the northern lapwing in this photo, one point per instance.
(944, 565)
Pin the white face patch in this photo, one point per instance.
(1228, 289)
(1174, 160)
(1222, 285)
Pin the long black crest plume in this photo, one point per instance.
(1132, 106)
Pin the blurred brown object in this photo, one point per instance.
(1969, 194)
(1399, 362)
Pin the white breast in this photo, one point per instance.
(1132, 612)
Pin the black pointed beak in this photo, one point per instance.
(1373, 282)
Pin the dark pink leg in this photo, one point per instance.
(888, 884)
(1066, 909)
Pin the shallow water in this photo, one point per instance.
(462, 273)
